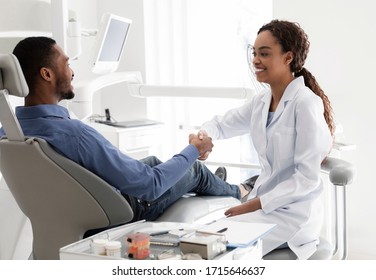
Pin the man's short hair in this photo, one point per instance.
(33, 53)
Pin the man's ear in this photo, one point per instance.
(46, 73)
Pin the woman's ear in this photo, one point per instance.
(289, 57)
(45, 73)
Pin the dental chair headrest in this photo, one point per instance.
(11, 76)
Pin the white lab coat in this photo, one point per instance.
(290, 152)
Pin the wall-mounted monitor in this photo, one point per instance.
(109, 44)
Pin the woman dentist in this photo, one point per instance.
(291, 127)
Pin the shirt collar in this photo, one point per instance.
(42, 111)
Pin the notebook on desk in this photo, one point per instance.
(239, 234)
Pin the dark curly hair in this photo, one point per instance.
(292, 38)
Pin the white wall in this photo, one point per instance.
(343, 40)
(34, 16)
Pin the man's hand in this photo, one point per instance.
(203, 144)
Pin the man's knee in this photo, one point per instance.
(151, 160)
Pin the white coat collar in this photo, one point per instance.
(289, 94)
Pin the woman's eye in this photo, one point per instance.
(261, 54)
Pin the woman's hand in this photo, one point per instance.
(248, 206)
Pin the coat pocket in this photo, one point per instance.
(285, 139)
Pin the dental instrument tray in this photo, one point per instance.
(161, 240)
(166, 240)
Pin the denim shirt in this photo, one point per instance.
(87, 147)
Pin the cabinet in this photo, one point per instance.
(134, 141)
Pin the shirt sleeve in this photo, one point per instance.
(128, 175)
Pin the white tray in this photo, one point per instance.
(81, 250)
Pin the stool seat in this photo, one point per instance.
(324, 252)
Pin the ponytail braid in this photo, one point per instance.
(311, 82)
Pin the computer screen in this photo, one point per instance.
(109, 44)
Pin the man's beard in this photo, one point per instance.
(67, 95)
(64, 94)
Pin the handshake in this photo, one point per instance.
(202, 142)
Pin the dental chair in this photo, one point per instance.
(61, 199)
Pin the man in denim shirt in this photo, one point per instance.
(149, 184)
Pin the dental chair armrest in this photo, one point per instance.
(341, 172)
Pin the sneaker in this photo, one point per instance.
(250, 182)
(248, 185)
(221, 173)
